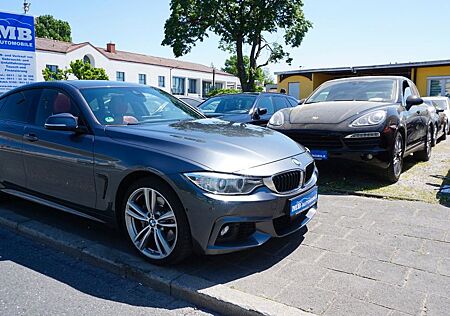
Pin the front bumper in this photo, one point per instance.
(373, 150)
(252, 219)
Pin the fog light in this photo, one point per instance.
(369, 156)
(224, 230)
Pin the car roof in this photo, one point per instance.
(370, 78)
(252, 94)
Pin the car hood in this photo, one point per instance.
(331, 112)
(218, 145)
(241, 118)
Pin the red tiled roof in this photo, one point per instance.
(50, 45)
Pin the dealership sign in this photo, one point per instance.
(17, 51)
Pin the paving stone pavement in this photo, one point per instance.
(360, 256)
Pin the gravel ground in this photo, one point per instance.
(423, 181)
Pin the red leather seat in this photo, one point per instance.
(62, 104)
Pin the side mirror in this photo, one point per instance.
(413, 100)
(440, 110)
(301, 101)
(62, 122)
(261, 111)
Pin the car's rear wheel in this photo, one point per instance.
(155, 222)
(395, 168)
(425, 153)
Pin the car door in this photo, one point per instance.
(414, 122)
(263, 102)
(15, 111)
(59, 164)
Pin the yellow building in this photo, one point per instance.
(431, 77)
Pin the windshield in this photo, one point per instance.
(231, 104)
(136, 105)
(375, 90)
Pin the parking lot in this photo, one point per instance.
(422, 181)
(359, 256)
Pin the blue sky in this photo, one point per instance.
(345, 33)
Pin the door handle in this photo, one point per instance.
(30, 137)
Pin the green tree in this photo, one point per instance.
(59, 74)
(262, 76)
(47, 26)
(240, 24)
(78, 68)
(85, 71)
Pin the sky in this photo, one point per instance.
(345, 32)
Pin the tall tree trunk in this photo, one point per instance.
(242, 74)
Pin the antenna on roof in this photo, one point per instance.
(26, 6)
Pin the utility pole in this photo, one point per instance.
(26, 6)
(214, 76)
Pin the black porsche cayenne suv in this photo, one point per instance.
(376, 120)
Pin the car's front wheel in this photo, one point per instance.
(425, 153)
(156, 223)
(395, 168)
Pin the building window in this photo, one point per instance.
(206, 87)
(87, 60)
(439, 86)
(120, 76)
(219, 85)
(192, 88)
(52, 68)
(178, 85)
(161, 81)
(142, 79)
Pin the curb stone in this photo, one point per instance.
(214, 297)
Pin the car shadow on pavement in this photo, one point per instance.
(218, 269)
(443, 191)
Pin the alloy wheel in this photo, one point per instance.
(397, 158)
(151, 223)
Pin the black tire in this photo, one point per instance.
(182, 245)
(446, 131)
(394, 171)
(434, 138)
(425, 153)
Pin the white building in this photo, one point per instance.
(184, 78)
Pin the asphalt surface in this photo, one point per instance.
(37, 280)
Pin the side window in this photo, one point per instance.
(406, 91)
(17, 106)
(266, 103)
(54, 102)
(279, 103)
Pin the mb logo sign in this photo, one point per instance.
(17, 51)
(16, 32)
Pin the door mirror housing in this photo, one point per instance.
(413, 100)
(301, 101)
(62, 122)
(258, 112)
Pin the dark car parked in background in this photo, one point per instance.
(135, 155)
(376, 120)
(191, 100)
(254, 108)
(439, 119)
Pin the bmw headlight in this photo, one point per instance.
(221, 183)
(277, 119)
(370, 119)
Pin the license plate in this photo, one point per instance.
(319, 154)
(303, 202)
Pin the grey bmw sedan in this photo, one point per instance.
(136, 157)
